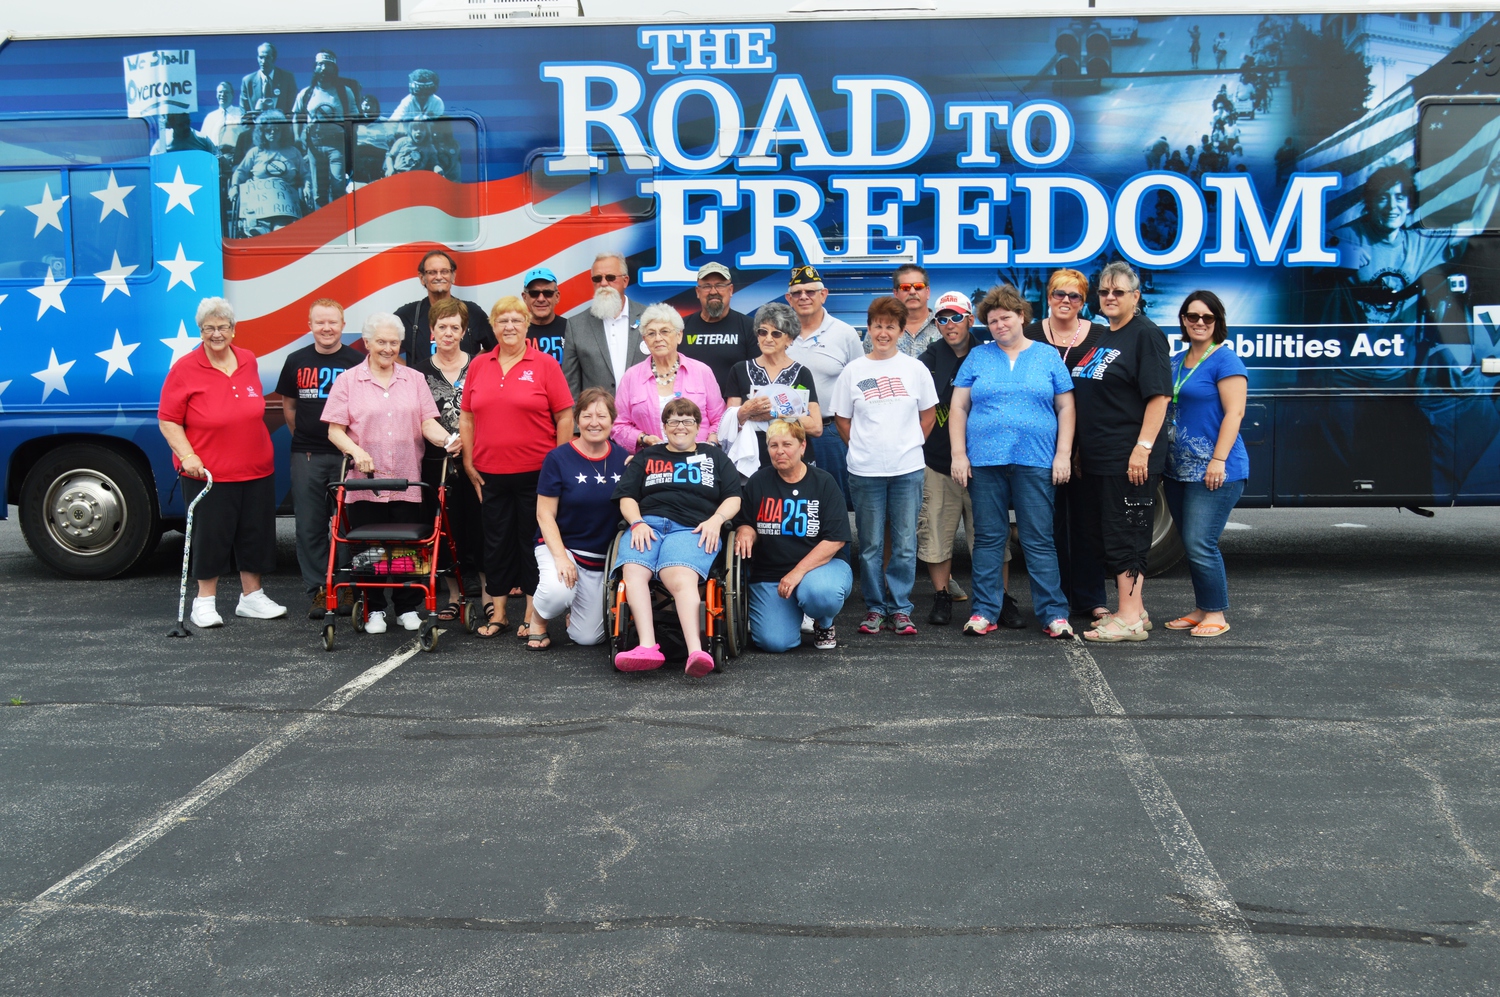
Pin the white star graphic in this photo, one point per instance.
(616, 478)
(113, 198)
(3, 386)
(118, 357)
(182, 344)
(47, 211)
(582, 478)
(114, 279)
(599, 478)
(179, 192)
(49, 295)
(181, 268)
(52, 377)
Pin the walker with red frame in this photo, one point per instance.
(392, 556)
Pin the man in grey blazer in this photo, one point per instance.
(269, 87)
(604, 341)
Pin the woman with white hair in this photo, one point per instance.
(378, 414)
(212, 414)
(661, 377)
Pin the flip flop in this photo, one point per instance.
(1210, 629)
(538, 642)
(1183, 623)
(489, 624)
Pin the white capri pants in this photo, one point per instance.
(585, 600)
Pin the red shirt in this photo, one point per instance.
(224, 416)
(513, 427)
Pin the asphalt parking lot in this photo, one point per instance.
(1307, 805)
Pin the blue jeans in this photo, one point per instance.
(831, 454)
(879, 503)
(1028, 490)
(776, 623)
(1200, 516)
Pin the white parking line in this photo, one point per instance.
(1191, 863)
(60, 894)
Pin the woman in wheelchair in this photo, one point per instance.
(664, 489)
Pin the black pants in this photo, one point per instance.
(1119, 517)
(234, 527)
(1077, 556)
(463, 518)
(369, 513)
(508, 512)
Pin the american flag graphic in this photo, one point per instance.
(882, 387)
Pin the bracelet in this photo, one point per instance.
(1219, 459)
(633, 525)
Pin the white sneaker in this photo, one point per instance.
(205, 614)
(258, 606)
(807, 624)
(410, 621)
(376, 623)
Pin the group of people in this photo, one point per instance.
(286, 150)
(760, 431)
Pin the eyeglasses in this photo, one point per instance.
(542, 293)
(684, 422)
(1197, 318)
(437, 273)
(803, 293)
(1072, 296)
(1115, 292)
(917, 286)
(600, 278)
(951, 319)
(717, 288)
(211, 329)
(771, 333)
(656, 333)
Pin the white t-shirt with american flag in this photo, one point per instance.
(883, 401)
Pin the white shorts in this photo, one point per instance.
(585, 600)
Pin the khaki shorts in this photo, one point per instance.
(944, 506)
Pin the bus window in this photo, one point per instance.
(33, 236)
(619, 192)
(1456, 141)
(609, 191)
(445, 148)
(72, 141)
(111, 219)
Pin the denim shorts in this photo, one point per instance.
(675, 546)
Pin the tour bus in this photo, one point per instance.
(1346, 217)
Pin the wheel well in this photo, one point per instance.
(29, 453)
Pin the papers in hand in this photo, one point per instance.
(786, 402)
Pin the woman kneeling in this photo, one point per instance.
(667, 486)
(794, 520)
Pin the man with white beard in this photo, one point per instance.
(606, 339)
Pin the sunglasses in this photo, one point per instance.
(951, 319)
(771, 333)
(541, 293)
(802, 294)
(917, 286)
(1114, 292)
(1197, 318)
(600, 278)
(1072, 296)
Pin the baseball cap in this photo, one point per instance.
(954, 301)
(538, 273)
(802, 276)
(714, 268)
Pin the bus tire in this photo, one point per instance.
(1166, 545)
(89, 512)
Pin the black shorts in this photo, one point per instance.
(1119, 517)
(234, 527)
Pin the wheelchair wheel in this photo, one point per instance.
(617, 627)
(736, 624)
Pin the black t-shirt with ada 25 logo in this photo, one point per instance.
(306, 377)
(790, 519)
(685, 487)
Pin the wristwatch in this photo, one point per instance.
(1144, 444)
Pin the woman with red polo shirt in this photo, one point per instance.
(516, 407)
(212, 414)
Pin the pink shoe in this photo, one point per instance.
(699, 664)
(641, 659)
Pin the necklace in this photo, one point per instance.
(1077, 333)
(670, 377)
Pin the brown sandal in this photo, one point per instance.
(494, 627)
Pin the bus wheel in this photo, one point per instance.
(88, 512)
(1166, 545)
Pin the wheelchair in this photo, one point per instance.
(723, 608)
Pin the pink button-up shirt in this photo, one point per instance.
(385, 422)
(639, 406)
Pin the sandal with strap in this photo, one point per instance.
(1183, 623)
(1210, 629)
(1111, 631)
(449, 613)
(490, 624)
(538, 642)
